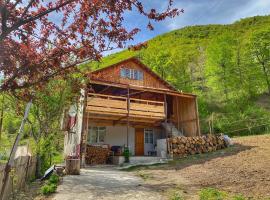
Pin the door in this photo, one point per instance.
(139, 141)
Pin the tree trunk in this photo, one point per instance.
(266, 77)
(38, 166)
(2, 116)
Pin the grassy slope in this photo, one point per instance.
(187, 37)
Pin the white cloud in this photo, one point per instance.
(216, 11)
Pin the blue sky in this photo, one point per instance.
(196, 12)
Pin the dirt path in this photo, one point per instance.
(244, 168)
(105, 183)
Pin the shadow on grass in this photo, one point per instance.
(180, 163)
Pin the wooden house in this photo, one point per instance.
(127, 104)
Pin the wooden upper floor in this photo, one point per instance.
(130, 72)
(129, 92)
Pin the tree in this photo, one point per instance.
(260, 49)
(43, 39)
(220, 63)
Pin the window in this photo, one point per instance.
(96, 135)
(148, 136)
(131, 74)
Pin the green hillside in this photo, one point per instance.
(227, 66)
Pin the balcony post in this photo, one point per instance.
(128, 107)
(166, 121)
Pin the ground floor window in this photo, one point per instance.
(148, 136)
(96, 134)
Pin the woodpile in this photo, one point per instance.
(183, 146)
(96, 155)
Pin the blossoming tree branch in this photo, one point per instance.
(41, 39)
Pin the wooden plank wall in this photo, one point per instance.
(112, 74)
(185, 115)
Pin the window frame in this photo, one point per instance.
(99, 130)
(132, 74)
(148, 136)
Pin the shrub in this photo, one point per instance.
(212, 194)
(51, 185)
(48, 188)
(54, 178)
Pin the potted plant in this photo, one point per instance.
(126, 154)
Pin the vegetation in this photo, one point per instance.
(214, 194)
(227, 66)
(42, 130)
(51, 185)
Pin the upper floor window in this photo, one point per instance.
(131, 74)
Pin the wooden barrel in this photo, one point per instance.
(73, 166)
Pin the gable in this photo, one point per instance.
(140, 75)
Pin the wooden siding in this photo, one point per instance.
(112, 74)
(185, 115)
(117, 106)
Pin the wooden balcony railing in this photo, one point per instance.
(115, 105)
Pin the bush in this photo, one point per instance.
(51, 185)
(212, 194)
(48, 188)
(54, 178)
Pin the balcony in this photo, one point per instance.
(115, 106)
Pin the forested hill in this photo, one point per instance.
(227, 66)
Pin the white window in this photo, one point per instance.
(96, 135)
(148, 136)
(133, 74)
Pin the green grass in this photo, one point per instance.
(215, 194)
(212, 194)
(139, 167)
(176, 196)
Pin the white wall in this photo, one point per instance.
(117, 135)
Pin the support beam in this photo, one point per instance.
(197, 117)
(128, 107)
(177, 112)
(166, 120)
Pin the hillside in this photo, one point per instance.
(217, 63)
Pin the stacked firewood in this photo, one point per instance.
(183, 146)
(96, 155)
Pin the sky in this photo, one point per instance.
(196, 12)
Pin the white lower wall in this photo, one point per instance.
(117, 136)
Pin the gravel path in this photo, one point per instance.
(104, 183)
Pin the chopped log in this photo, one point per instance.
(183, 146)
(96, 155)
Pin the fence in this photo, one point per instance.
(23, 170)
